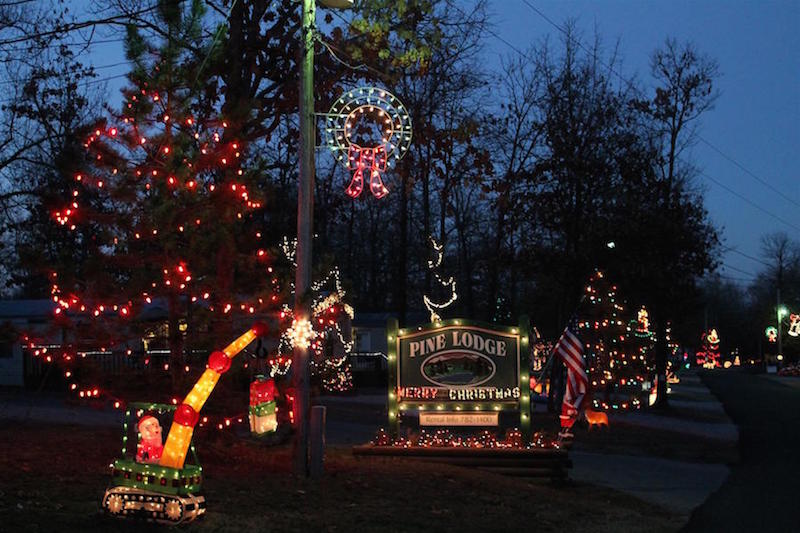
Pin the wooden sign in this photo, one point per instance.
(458, 373)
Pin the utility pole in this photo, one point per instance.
(305, 229)
(779, 312)
(305, 224)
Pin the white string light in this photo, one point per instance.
(430, 305)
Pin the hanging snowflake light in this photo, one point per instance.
(373, 128)
(300, 333)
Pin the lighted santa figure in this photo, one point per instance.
(150, 446)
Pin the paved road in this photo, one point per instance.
(762, 493)
(675, 485)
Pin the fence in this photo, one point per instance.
(116, 363)
(369, 368)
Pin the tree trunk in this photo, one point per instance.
(466, 268)
(175, 341)
(426, 215)
(556, 384)
(661, 362)
(401, 276)
(494, 260)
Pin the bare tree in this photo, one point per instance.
(685, 90)
(515, 134)
(783, 253)
(47, 91)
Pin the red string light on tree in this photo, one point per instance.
(153, 182)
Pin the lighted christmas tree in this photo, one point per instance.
(327, 334)
(167, 212)
(333, 343)
(618, 351)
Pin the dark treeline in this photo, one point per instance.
(533, 169)
(741, 312)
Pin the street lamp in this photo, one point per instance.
(782, 312)
(305, 228)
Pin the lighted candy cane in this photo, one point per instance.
(368, 162)
(188, 413)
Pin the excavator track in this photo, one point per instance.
(129, 502)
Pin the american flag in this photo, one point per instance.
(570, 350)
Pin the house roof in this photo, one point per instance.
(26, 308)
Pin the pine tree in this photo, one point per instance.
(618, 353)
(167, 209)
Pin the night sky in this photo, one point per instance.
(754, 123)
(756, 120)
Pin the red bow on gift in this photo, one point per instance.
(372, 160)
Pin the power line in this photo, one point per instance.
(756, 259)
(361, 66)
(67, 28)
(26, 80)
(748, 172)
(739, 270)
(583, 47)
(699, 137)
(748, 201)
(86, 84)
(496, 36)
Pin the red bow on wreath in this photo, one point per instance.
(372, 160)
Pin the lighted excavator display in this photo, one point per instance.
(157, 485)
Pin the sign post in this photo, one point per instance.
(392, 327)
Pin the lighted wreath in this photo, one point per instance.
(372, 127)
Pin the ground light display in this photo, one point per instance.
(619, 353)
(326, 334)
(166, 490)
(708, 356)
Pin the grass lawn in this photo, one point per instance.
(52, 479)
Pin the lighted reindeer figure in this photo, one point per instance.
(596, 418)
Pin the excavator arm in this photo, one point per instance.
(188, 413)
